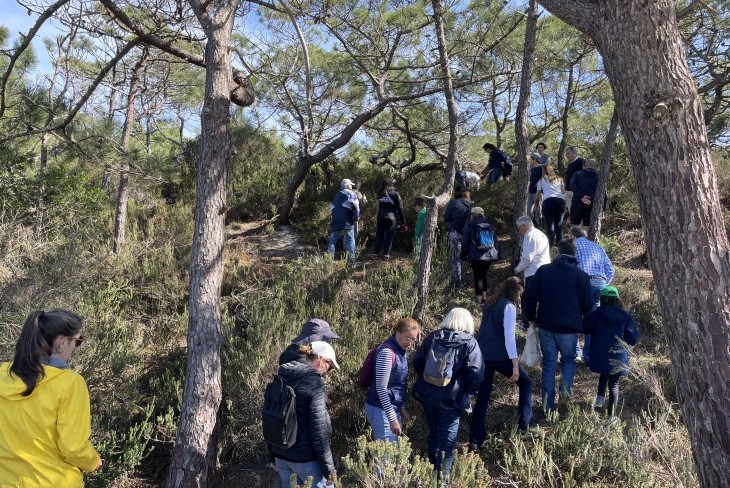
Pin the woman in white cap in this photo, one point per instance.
(311, 454)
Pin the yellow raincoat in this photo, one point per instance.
(44, 437)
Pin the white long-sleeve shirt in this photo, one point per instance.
(510, 319)
(535, 252)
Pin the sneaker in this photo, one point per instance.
(579, 360)
(387, 256)
(599, 402)
(472, 447)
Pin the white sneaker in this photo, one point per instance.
(599, 402)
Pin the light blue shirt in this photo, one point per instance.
(593, 259)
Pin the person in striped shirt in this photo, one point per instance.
(386, 398)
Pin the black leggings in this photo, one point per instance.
(553, 209)
(384, 236)
(612, 381)
(480, 269)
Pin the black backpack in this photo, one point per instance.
(279, 414)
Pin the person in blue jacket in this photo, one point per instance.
(499, 350)
(456, 214)
(345, 214)
(444, 403)
(497, 165)
(479, 259)
(607, 324)
(584, 184)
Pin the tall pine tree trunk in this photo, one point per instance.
(435, 203)
(662, 122)
(193, 458)
(120, 216)
(521, 129)
(594, 233)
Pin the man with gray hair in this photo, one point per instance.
(584, 184)
(535, 250)
(345, 214)
(592, 259)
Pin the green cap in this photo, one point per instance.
(609, 291)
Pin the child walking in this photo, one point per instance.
(607, 324)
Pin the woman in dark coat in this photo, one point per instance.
(390, 210)
(480, 257)
(499, 350)
(606, 325)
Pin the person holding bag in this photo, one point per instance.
(499, 350)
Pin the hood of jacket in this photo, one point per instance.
(452, 338)
(12, 387)
(479, 223)
(565, 261)
(295, 371)
(612, 315)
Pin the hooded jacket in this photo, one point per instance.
(471, 232)
(606, 325)
(558, 295)
(314, 428)
(584, 183)
(457, 213)
(345, 211)
(44, 437)
(468, 371)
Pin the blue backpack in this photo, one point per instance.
(484, 240)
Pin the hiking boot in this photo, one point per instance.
(386, 256)
(599, 402)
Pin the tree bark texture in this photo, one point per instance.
(194, 453)
(120, 215)
(662, 122)
(594, 233)
(42, 180)
(564, 121)
(521, 130)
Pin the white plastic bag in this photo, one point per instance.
(531, 356)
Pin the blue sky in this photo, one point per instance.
(17, 20)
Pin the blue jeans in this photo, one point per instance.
(597, 284)
(384, 236)
(443, 426)
(551, 343)
(477, 433)
(380, 424)
(348, 243)
(455, 244)
(303, 471)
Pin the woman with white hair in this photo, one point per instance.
(450, 371)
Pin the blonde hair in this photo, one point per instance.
(459, 319)
(549, 173)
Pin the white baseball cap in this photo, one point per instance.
(325, 351)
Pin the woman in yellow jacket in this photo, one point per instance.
(45, 421)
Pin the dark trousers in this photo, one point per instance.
(612, 381)
(384, 236)
(553, 209)
(477, 432)
(480, 269)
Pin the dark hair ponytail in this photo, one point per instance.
(36, 343)
(388, 184)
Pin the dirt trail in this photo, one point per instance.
(270, 244)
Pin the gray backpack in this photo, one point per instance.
(440, 359)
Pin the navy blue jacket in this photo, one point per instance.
(314, 428)
(457, 213)
(577, 165)
(491, 332)
(390, 206)
(468, 372)
(472, 228)
(584, 182)
(496, 158)
(606, 325)
(344, 211)
(397, 381)
(535, 175)
(558, 296)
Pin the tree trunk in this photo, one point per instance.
(42, 180)
(194, 453)
(594, 233)
(564, 121)
(663, 125)
(521, 134)
(120, 217)
(434, 203)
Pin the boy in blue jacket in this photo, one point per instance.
(607, 324)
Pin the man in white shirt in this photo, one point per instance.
(535, 249)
